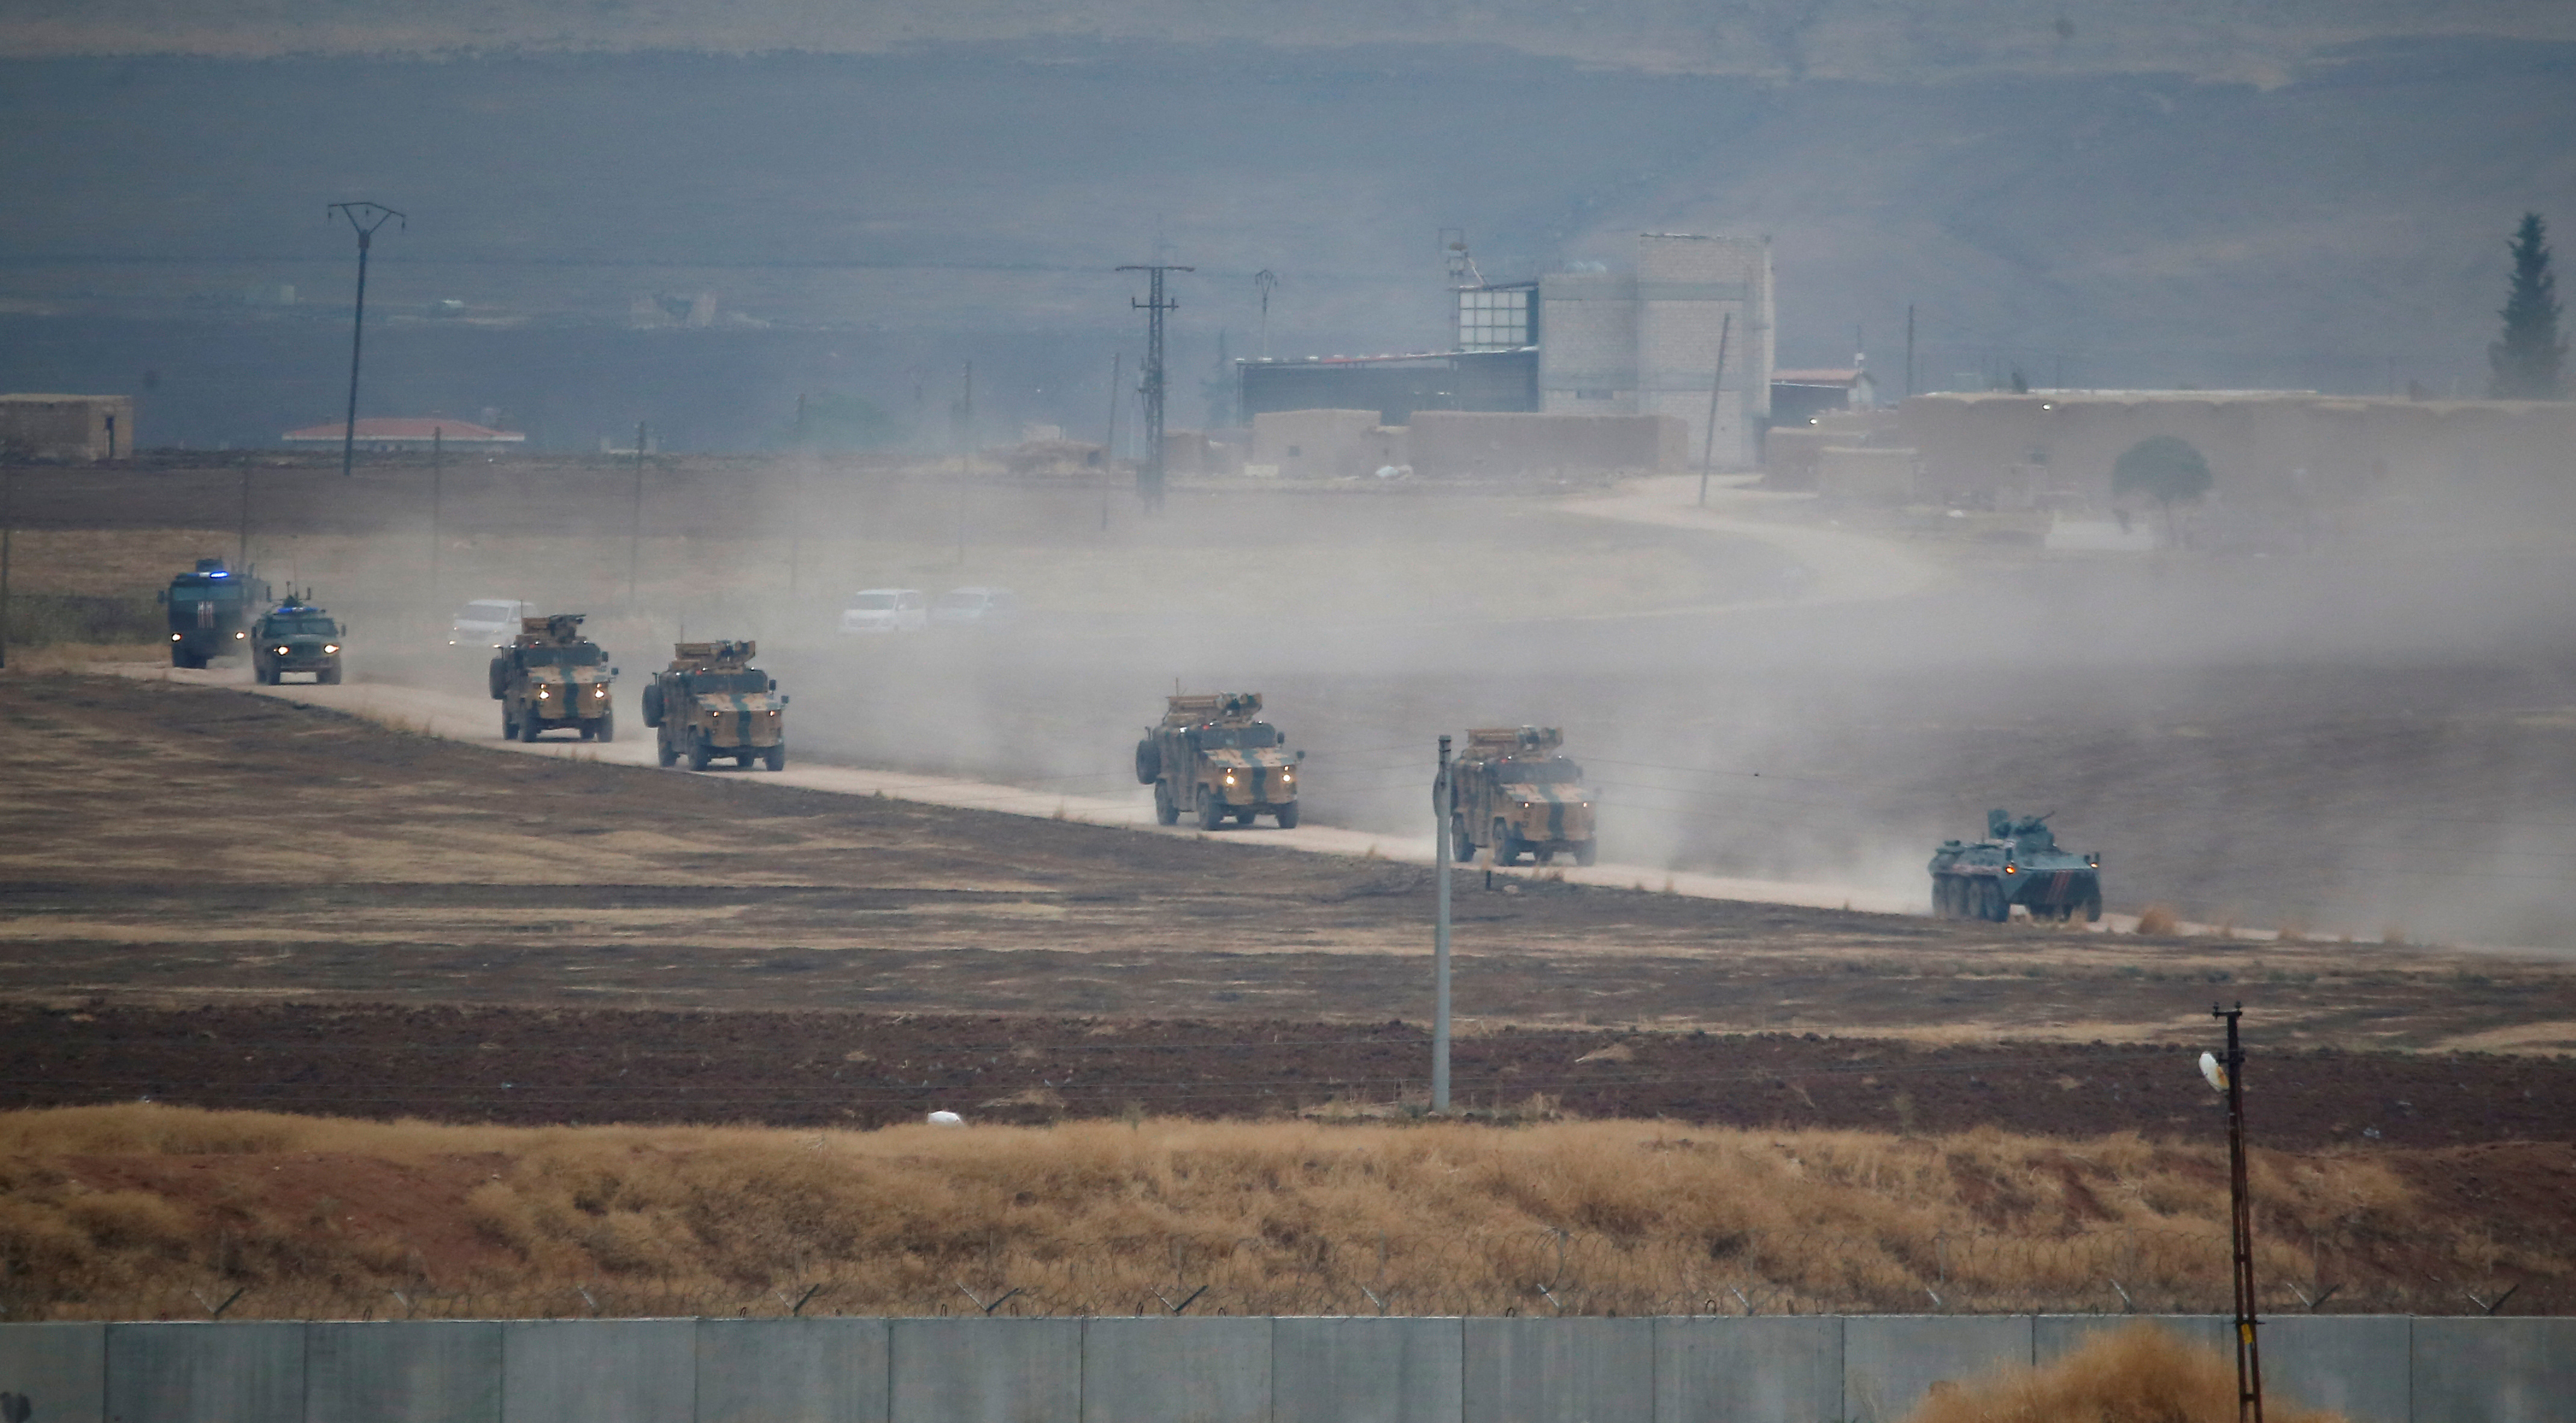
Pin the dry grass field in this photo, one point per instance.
(2141, 1374)
(152, 1211)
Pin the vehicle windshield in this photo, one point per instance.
(587, 654)
(485, 613)
(1540, 773)
(960, 601)
(871, 602)
(750, 680)
(1259, 734)
(303, 625)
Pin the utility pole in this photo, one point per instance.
(1149, 474)
(437, 474)
(1909, 350)
(365, 218)
(1440, 936)
(1708, 448)
(241, 544)
(635, 525)
(2249, 1357)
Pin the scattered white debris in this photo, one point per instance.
(946, 1119)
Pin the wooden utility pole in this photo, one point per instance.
(2249, 1356)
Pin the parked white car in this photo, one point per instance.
(975, 607)
(488, 622)
(886, 610)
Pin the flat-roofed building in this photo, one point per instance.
(66, 428)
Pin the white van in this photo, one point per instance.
(886, 610)
(488, 622)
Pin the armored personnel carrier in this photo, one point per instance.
(2017, 863)
(1510, 792)
(292, 637)
(211, 611)
(712, 702)
(1214, 758)
(551, 678)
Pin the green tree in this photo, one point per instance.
(2525, 364)
(2163, 468)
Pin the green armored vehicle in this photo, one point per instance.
(712, 702)
(2017, 863)
(1510, 792)
(294, 637)
(1215, 759)
(211, 611)
(551, 678)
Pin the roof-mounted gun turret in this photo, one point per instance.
(1211, 708)
(1488, 742)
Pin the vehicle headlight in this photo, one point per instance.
(174, 637)
(2011, 870)
(544, 692)
(241, 637)
(281, 652)
(600, 690)
(330, 647)
(1287, 775)
(1229, 778)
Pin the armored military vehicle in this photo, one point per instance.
(1510, 792)
(2017, 863)
(712, 702)
(551, 678)
(1213, 757)
(295, 636)
(211, 611)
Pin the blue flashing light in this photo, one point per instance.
(219, 573)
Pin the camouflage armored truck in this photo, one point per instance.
(1214, 758)
(1510, 792)
(712, 702)
(295, 636)
(2017, 863)
(211, 611)
(551, 678)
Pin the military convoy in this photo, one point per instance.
(712, 702)
(293, 637)
(1214, 758)
(551, 678)
(210, 612)
(2017, 863)
(1511, 793)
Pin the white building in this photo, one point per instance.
(1645, 342)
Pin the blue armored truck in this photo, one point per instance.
(2017, 863)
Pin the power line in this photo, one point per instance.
(1149, 475)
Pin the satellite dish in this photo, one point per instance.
(946, 1119)
(2209, 1068)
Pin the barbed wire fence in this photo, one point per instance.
(1519, 1272)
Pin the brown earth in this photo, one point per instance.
(179, 845)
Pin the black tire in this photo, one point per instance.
(1149, 762)
(652, 704)
(2093, 907)
(330, 676)
(1508, 847)
(1941, 897)
(178, 655)
(1586, 851)
(666, 753)
(1167, 811)
(776, 757)
(1212, 810)
(701, 755)
(607, 726)
(1287, 815)
(1998, 907)
(1462, 846)
(499, 677)
(509, 725)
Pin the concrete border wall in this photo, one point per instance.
(1862, 1368)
